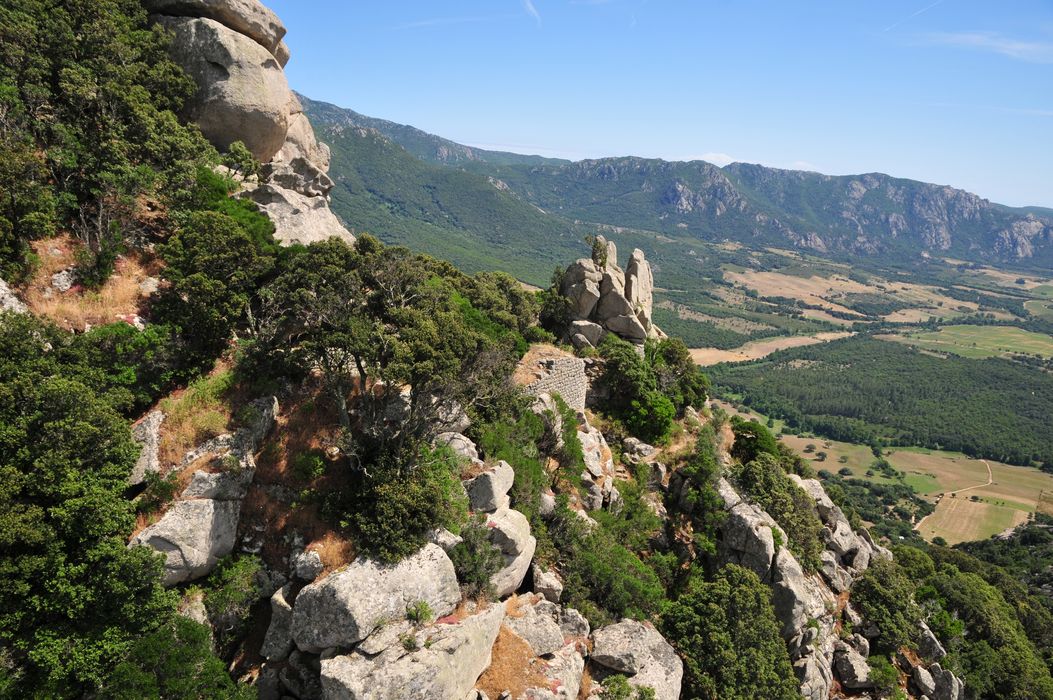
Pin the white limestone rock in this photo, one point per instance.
(193, 536)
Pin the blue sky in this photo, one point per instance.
(956, 92)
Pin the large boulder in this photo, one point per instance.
(510, 532)
(948, 685)
(193, 536)
(581, 285)
(536, 621)
(346, 607)
(488, 492)
(298, 218)
(248, 17)
(639, 651)
(563, 673)
(748, 537)
(446, 664)
(851, 668)
(242, 92)
(639, 287)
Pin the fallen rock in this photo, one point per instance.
(637, 649)
(547, 583)
(279, 642)
(573, 623)
(948, 685)
(459, 444)
(928, 645)
(307, 565)
(537, 624)
(345, 607)
(592, 332)
(9, 301)
(242, 91)
(63, 281)
(851, 668)
(444, 538)
(447, 666)
(488, 492)
(564, 673)
(924, 681)
(193, 536)
(147, 432)
(247, 17)
(510, 532)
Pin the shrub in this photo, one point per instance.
(308, 466)
(475, 559)
(617, 687)
(883, 674)
(230, 592)
(885, 596)
(390, 510)
(419, 613)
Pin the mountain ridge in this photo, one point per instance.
(871, 215)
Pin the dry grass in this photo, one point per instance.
(119, 299)
(195, 414)
(812, 290)
(513, 668)
(959, 519)
(524, 374)
(761, 348)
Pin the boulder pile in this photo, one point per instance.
(604, 298)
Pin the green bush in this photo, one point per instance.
(391, 510)
(230, 592)
(728, 636)
(885, 598)
(883, 674)
(475, 559)
(765, 482)
(419, 613)
(617, 687)
(308, 466)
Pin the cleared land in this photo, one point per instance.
(1005, 502)
(1040, 309)
(811, 290)
(761, 348)
(979, 342)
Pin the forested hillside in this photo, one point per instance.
(870, 217)
(861, 390)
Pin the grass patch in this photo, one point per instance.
(195, 414)
(979, 342)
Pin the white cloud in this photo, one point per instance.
(992, 42)
(719, 159)
(528, 5)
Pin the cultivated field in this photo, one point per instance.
(1040, 309)
(979, 341)
(811, 290)
(761, 348)
(1012, 494)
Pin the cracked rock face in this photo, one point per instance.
(193, 536)
(446, 664)
(346, 607)
(247, 17)
(638, 650)
(242, 91)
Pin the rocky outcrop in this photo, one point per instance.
(852, 668)
(460, 444)
(639, 651)
(233, 50)
(247, 17)
(598, 477)
(346, 607)
(510, 532)
(443, 661)
(147, 432)
(201, 527)
(9, 301)
(242, 92)
(603, 297)
(547, 583)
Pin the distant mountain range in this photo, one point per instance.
(475, 206)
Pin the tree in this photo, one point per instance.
(751, 440)
(885, 596)
(635, 398)
(727, 634)
(73, 598)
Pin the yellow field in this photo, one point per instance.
(760, 348)
(812, 290)
(1012, 494)
(979, 341)
(959, 519)
(1040, 309)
